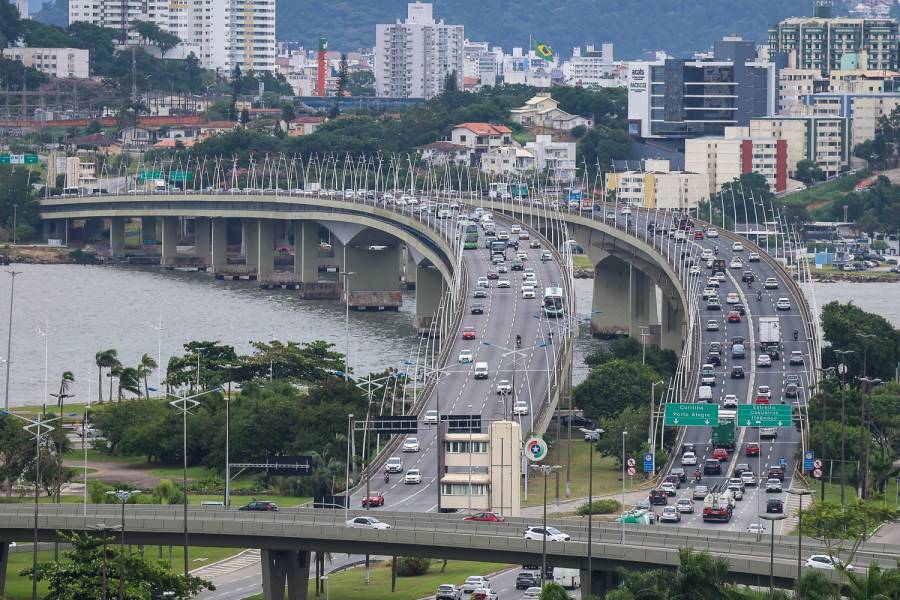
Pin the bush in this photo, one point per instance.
(412, 566)
(578, 131)
(600, 507)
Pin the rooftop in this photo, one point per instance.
(484, 128)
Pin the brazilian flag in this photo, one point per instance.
(543, 51)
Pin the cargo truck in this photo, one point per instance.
(723, 434)
(718, 506)
(769, 332)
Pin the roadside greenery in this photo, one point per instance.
(600, 507)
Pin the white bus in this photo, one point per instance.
(553, 302)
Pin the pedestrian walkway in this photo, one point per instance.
(228, 565)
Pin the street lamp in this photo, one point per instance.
(103, 529)
(346, 275)
(347, 477)
(864, 472)
(12, 295)
(652, 441)
(624, 433)
(122, 496)
(842, 370)
(546, 470)
(773, 519)
(590, 434)
(799, 492)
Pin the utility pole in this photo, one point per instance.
(12, 293)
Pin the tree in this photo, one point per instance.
(144, 369)
(245, 116)
(554, 591)
(15, 450)
(844, 529)
(877, 356)
(874, 584)
(152, 34)
(209, 357)
(451, 83)
(342, 84)
(300, 363)
(128, 380)
(632, 419)
(237, 80)
(602, 145)
(362, 83)
(631, 349)
(808, 172)
(17, 195)
(79, 574)
(65, 386)
(287, 112)
(412, 566)
(10, 24)
(615, 385)
(106, 359)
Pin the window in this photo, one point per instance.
(461, 489)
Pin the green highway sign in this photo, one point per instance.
(181, 176)
(18, 159)
(692, 414)
(144, 175)
(764, 415)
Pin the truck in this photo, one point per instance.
(769, 332)
(718, 265)
(723, 434)
(568, 578)
(718, 506)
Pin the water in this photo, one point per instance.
(98, 307)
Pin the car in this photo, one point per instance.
(695, 270)
(763, 360)
(553, 534)
(740, 468)
(670, 514)
(468, 333)
(503, 283)
(260, 506)
(774, 506)
(713, 284)
(479, 292)
(829, 563)
(714, 358)
(748, 478)
(796, 357)
(736, 263)
(737, 372)
(713, 304)
(761, 400)
(520, 407)
(413, 476)
(752, 449)
(753, 257)
(504, 387)
(373, 499)
(532, 593)
(527, 579)
(447, 591)
(730, 401)
(712, 325)
(773, 353)
(712, 233)
(756, 528)
(764, 390)
(430, 417)
(732, 298)
(483, 282)
(737, 247)
(658, 497)
(625, 210)
(792, 378)
(410, 444)
(738, 351)
(720, 454)
(528, 292)
(534, 244)
(466, 356)
(394, 465)
(791, 390)
(773, 484)
(673, 479)
(493, 275)
(476, 308)
(709, 292)
(698, 235)
(679, 473)
(684, 505)
(503, 235)
(736, 492)
(474, 582)
(668, 487)
(521, 255)
(487, 517)
(713, 466)
(545, 256)
(485, 594)
(689, 459)
(700, 492)
(707, 375)
(748, 276)
(734, 317)
(367, 523)
(770, 283)
(502, 268)
(783, 304)
(524, 235)
(517, 265)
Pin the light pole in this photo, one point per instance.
(645, 333)
(592, 433)
(158, 328)
(624, 433)
(546, 470)
(824, 437)
(230, 368)
(12, 295)
(346, 275)
(45, 333)
(772, 519)
(799, 492)
(103, 529)
(651, 442)
(347, 476)
(123, 496)
(184, 406)
(866, 434)
(842, 370)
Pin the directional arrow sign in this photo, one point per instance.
(764, 415)
(692, 414)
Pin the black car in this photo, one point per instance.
(790, 390)
(737, 372)
(576, 421)
(740, 468)
(674, 479)
(679, 473)
(659, 497)
(774, 506)
(477, 308)
(517, 265)
(739, 308)
(773, 353)
(714, 358)
(260, 505)
(748, 276)
(738, 339)
(687, 447)
(527, 579)
(712, 466)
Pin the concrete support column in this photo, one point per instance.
(4, 564)
(285, 568)
(376, 283)
(430, 288)
(219, 243)
(612, 284)
(597, 583)
(202, 241)
(148, 230)
(643, 302)
(117, 236)
(250, 243)
(306, 251)
(409, 270)
(673, 328)
(266, 253)
(169, 240)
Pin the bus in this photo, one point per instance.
(553, 302)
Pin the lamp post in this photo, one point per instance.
(772, 518)
(624, 433)
(347, 476)
(122, 496)
(651, 442)
(346, 275)
(799, 492)
(12, 295)
(864, 471)
(842, 370)
(184, 406)
(103, 529)
(158, 328)
(592, 433)
(546, 470)
(230, 368)
(824, 437)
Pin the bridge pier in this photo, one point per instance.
(430, 288)
(265, 254)
(169, 241)
(282, 568)
(597, 584)
(148, 230)
(611, 310)
(117, 236)
(250, 243)
(4, 564)
(643, 302)
(673, 328)
(376, 282)
(218, 243)
(202, 241)
(409, 270)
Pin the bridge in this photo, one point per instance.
(638, 267)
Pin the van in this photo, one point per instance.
(481, 370)
(568, 578)
(705, 394)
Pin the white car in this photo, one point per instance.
(710, 291)
(520, 407)
(763, 360)
(553, 534)
(503, 283)
(625, 210)
(668, 487)
(410, 444)
(684, 505)
(764, 390)
(753, 257)
(730, 401)
(706, 254)
(732, 298)
(504, 387)
(532, 593)
(748, 478)
(413, 476)
(528, 292)
(783, 304)
(430, 418)
(737, 247)
(394, 465)
(367, 523)
(689, 458)
(713, 282)
(483, 282)
(756, 528)
(515, 229)
(466, 356)
(721, 276)
(712, 233)
(712, 325)
(736, 263)
(502, 235)
(475, 582)
(773, 484)
(829, 563)
(771, 283)
(521, 255)
(695, 270)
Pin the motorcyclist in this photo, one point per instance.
(716, 249)
(759, 294)
(796, 335)
(387, 476)
(782, 462)
(518, 341)
(749, 284)
(698, 475)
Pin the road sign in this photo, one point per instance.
(764, 415)
(535, 449)
(630, 462)
(808, 460)
(330, 501)
(692, 414)
(648, 462)
(631, 470)
(462, 423)
(817, 463)
(289, 465)
(817, 473)
(395, 424)
(4, 159)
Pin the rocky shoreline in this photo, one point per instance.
(47, 255)
(853, 278)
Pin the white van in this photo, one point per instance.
(481, 370)
(568, 578)
(705, 394)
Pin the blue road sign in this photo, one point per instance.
(809, 460)
(648, 462)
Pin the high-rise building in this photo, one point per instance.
(414, 57)
(725, 158)
(221, 33)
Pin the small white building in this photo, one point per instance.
(557, 158)
(481, 137)
(56, 62)
(657, 186)
(507, 160)
(441, 154)
(543, 111)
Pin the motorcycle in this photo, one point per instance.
(716, 250)
(387, 477)
(518, 341)
(796, 335)
(759, 296)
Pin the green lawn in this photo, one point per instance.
(77, 454)
(350, 584)
(582, 261)
(607, 478)
(833, 190)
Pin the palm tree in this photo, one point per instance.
(699, 576)
(144, 369)
(106, 359)
(65, 384)
(128, 381)
(874, 584)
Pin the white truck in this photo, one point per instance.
(568, 578)
(769, 332)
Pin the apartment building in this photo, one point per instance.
(481, 137)
(507, 161)
(822, 139)
(556, 158)
(862, 111)
(726, 158)
(656, 185)
(56, 62)
(414, 57)
(594, 68)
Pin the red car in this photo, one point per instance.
(720, 454)
(493, 275)
(698, 235)
(374, 499)
(752, 449)
(488, 517)
(734, 317)
(762, 400)
(468, 333)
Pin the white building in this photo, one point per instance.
(507, 161)
(822, 139)
(557, 158)
(56, 62)
(543, 111)
(414, 57)
(657, 186)
(594, 68)
(221, 33)
(526, 68)
(725, 158)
